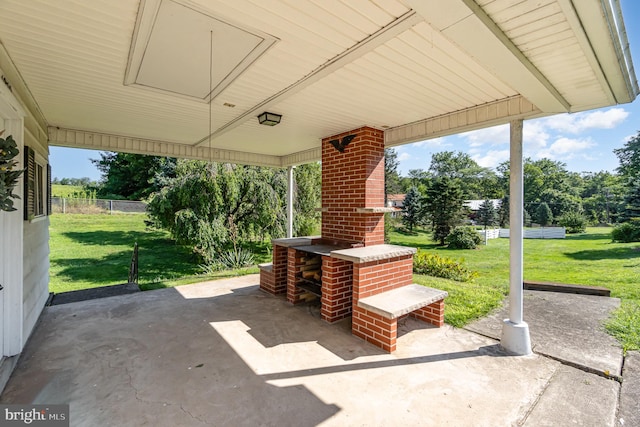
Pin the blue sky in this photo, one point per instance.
(584, 141)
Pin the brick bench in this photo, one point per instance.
(382, 311)
(267, 278)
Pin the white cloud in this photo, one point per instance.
(580, 122)
(496, 135)
(403, 156)
(492, 158)
(566, 148)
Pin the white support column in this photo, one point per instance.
(515, 332)
(290, 202)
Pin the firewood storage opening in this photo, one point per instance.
(308, 274)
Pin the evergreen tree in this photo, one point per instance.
(526, 218)
(544, 216)
(503, 212)
(629, 157)
(413, 208)
(445, 207)
(392, 184)
(631, 208)
(487, 214)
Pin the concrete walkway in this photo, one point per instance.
(226, 354)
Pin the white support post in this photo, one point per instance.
(290, 202)
(515, 332)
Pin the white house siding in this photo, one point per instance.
(36, 271)
(29, 130)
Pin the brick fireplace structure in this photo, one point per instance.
(349, 261)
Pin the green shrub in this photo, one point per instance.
(236, 258)
(574, 222)
(464, 238)
(435, 265)
(626, 232)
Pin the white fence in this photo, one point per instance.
(529, 233)
(539, 233)
(492, 233)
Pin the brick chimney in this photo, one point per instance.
(353, 187)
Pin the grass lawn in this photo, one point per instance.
(588, 259)
(58, 190)
(95, 250)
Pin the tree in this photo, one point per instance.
(212, 206)
(631, 209)
(540, 176)
(413, 208)
(503, 212)
(526, 218)
(444, 205)
(218, 207)
(544, 216)
(629, 158)
(391, 176)
(560, 202)
(487, 214)
(602, 194)
(307, 198)
(476, 182)
(128, 176)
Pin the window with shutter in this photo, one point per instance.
(37, 186)
(29, 183)
(48, 189)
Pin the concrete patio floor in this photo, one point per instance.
(224, 353)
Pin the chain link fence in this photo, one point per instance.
(67, 205)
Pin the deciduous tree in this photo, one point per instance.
(128, 176)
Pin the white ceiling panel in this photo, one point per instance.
(334, 65)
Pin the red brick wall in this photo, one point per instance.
(350, 180)
(280, 269)
(380, 276)
(375, 329)
(337, 285)
(433, 313)
(373, 278)
(294, 262)
(267, 281)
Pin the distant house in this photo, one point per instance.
(395, 200)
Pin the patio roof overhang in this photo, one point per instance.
(138, 76)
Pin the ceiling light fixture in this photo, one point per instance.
(269, 119)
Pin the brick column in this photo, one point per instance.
(294, 261)
(352, 182)
(280, 269)
(274, 280)
(337, 282)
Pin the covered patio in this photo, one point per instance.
(192, 79)
(226, 353)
